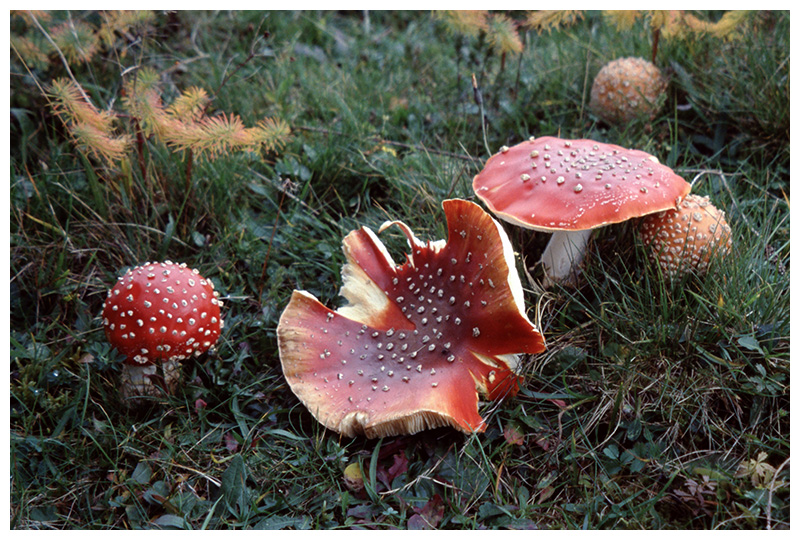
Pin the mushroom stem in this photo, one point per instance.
(563, 254)
(149, 380)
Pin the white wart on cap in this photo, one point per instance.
(569, 187)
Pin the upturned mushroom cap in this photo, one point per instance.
(160, 313)
(686, 239)
(417, 342)
(626, 89)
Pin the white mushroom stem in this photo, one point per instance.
(137, 381)
(563, 254)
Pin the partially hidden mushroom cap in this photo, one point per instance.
(551, 184)
(416, 342)
(626, 89)
(162, 311)
(687, 239)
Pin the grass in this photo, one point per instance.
(656, 405)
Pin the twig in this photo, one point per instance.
(250, 56)
(181, 63)
(771, 491)
(654, 50)
(698, 173)
(230, 74)
(476, 92)
(140, 147)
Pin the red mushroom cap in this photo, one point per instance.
(626, 89)
(162, 311)
(686, 239)
(416, 342)
(552, 184)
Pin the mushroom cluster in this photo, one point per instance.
(626, 89)
(416, 343)
(686, 239)
(569, 188)
(158, 314)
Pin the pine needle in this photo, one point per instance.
(77, 40)
(189, 106)
(623, 19)
(30, 51)
(100, 144)
(70, 104)
(552, 19)
(501, 33)
(464, 22)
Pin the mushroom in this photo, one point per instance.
(569, 187)
(354, 478)
(626, 89)
(686, 239)
(158, 314)
(415, 343)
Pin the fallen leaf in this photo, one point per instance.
(399, 466)
(513, 436)
(361, 512)
(230, 442)
(560, 403)
(429, 516)
(545, 494)
(543, 443)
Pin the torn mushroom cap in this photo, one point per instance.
(416, 342)
(162, 311)
(558, 185)
(687, 239)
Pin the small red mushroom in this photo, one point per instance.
(688, 238)
(569, 187)
(626, 89)
(158, 314)
(417, 342)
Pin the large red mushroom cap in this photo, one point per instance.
(416, 342)
(574, 186)
(158, 314)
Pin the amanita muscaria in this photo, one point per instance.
(569, 188)
(417, 342)
(626, 89)
(158, 314)
(688, 238)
